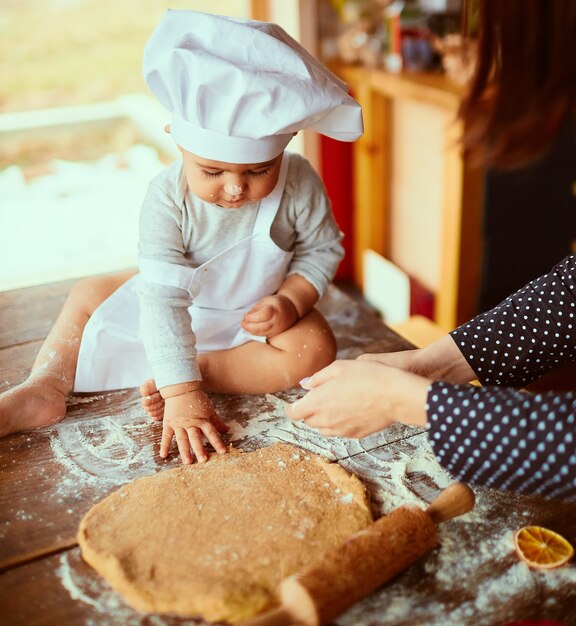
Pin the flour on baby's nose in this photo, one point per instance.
(233, 190)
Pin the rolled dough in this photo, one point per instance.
(216, 539)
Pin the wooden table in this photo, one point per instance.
(50, 478)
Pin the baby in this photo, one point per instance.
(237, 241)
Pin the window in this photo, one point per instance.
(79, 136)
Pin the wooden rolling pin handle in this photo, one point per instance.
(455, 500)
(364, 562)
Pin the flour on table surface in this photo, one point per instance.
(477, 579)
(87, 458)
(395, 604)
(107, 606)
(105, 452)
(111, 451)
(267, 423)
(370, 458)
(85, 399)
(342, 310)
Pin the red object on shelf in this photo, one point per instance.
(337, 174)
(337, 168)
(421, 300)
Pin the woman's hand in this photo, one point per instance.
(440, 360)
(358, 398)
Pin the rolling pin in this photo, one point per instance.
(364, 562)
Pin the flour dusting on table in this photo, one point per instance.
(104, 452)
(101, 453)
(108, 606)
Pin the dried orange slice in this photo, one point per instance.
(541, 548)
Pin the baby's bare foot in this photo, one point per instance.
(152, 401)
(33, 404)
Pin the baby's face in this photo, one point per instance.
(230, 185)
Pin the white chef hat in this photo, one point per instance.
(239, 89)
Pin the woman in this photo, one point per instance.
(522, 96)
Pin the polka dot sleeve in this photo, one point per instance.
(529, 333)
(505, 439)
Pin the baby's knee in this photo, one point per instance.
(323, 350)
(318, 342)
(307, 346)
(84, 291)
(89, 293)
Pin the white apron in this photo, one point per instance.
(223, 290)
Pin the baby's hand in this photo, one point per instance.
(187, 417)
(270, 316)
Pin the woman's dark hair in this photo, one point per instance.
(523, 92)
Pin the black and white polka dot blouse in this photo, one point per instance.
(496, 435)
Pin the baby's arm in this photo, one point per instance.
(189, 414)
(166, 326)
(305, 224)
(274, 314)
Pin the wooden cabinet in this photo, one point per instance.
(417, 201)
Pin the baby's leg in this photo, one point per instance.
(255, 367)
(41, 399)
(281, 363)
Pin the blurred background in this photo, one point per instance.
(79, 135)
